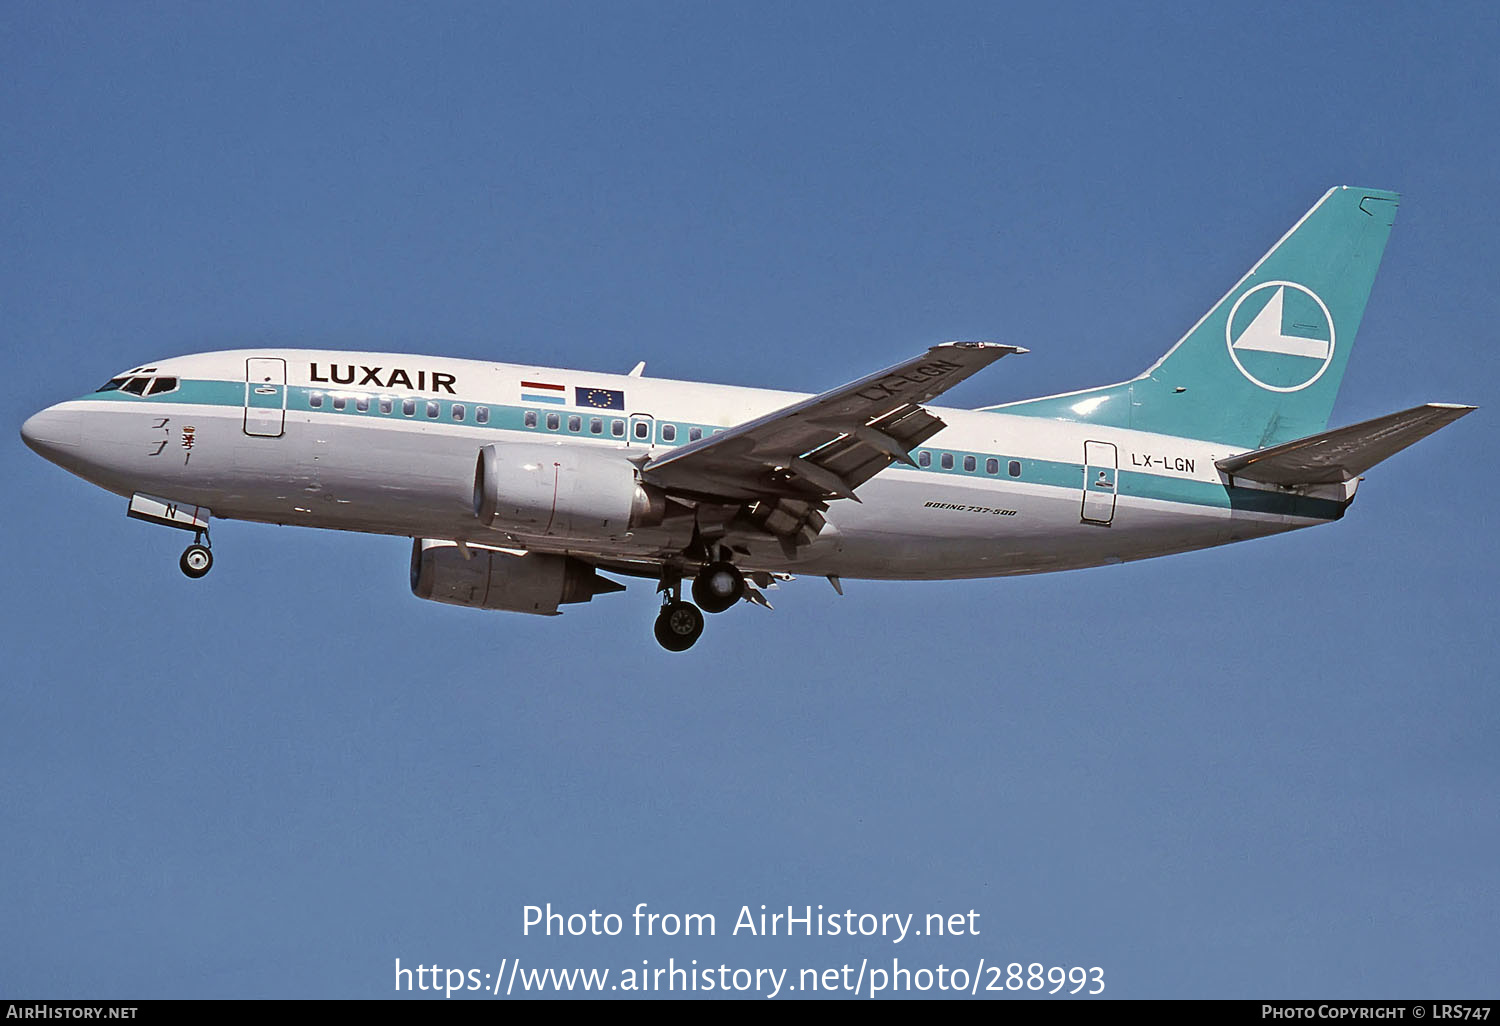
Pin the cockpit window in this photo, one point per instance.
(139, 383)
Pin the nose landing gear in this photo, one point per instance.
(196, 559)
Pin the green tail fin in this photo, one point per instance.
(1264, 365)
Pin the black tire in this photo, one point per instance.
(718, 586)
(678, 626)
(196, 561)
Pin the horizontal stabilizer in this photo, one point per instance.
(1343, 454)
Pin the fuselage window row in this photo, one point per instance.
(574, 424)
(386, 405)
(946, 460)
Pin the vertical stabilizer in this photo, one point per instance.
(1263, 366)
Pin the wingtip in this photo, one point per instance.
(1007, 349)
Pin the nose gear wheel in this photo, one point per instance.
(196, 560)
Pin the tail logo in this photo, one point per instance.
(1283, 338)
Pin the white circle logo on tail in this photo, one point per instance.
(1280, 335)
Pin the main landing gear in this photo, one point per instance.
(678, 625)
(196, 559)
(718, 586)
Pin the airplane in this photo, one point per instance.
(523, 486)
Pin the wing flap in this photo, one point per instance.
(1331, 457)
(859, 454)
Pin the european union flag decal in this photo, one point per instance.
(599, 398)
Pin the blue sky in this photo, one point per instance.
(1262, 770)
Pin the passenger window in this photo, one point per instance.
(409, 407)
(617, 428)
(947, 461)
(385, 405)
(924, 458)
(339, 402)
(669, 432)
(553, 422)
(642, 430)
(596, 426)
(481, 414)
(694, 433)
(315, 400)
(575, 424)
(968, 463)
(530, 419)
(458, 411)
(432, 409)
(137, 386)
(161, 385)
(992, 466)
(1015, 468)
(362, 404)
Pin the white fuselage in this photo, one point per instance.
(386, 444)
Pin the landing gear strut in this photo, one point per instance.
(717, 586)
(679, 623)
(196, 559)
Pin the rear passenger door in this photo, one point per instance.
(1100, 474)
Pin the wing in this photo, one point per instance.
(795, 460)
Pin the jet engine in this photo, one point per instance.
(519, 582)
(566, 491)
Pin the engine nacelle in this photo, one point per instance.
(519, 582)
(564, 491)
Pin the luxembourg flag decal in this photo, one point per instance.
(542, 392)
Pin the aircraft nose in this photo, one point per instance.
(53, 434)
